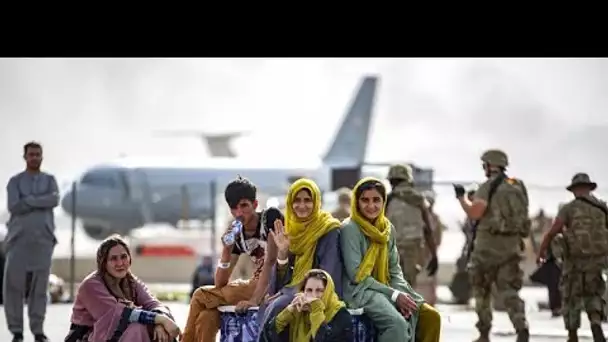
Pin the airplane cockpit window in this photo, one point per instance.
(100, 178)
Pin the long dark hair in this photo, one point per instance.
(371, 184)
(127, 284)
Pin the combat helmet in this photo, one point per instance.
(495, 157)
(400, 171)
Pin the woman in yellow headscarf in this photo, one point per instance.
(373, 278)
(309, 240)
(315, 314)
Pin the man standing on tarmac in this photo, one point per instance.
(500, 206)
(32, 195)
(408, 211)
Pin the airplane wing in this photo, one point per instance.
(218, 144)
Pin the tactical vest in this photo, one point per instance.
(586, 232)
(405, 215)
(508, 211)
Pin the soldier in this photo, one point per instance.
(408, 211)
(343, 210)
(500, 206)
(428, 285)
(583, 223)
(540, 224)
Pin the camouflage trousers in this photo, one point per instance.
(582, 288)
(410, 252)
(508, 279)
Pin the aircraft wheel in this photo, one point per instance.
(97, 232)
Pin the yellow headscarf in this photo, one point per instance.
(375, 261)
(305, 325)
(304, 233)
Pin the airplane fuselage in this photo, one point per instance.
(118, 198)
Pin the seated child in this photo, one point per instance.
(315, 314)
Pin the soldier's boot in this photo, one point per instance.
(523, 335)
(484, 336)
(572, 335)
(598, 334)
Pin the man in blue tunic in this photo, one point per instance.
(32, 195)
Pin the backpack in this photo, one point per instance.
(406, 213)
(508, 213)
(586, 234)
(513, 205)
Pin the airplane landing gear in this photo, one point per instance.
(97, 232)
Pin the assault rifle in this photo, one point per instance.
(493, 186)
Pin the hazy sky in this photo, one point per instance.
(549, 115)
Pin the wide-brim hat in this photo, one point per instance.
(581, 179)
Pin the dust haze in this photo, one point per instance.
(549, 115)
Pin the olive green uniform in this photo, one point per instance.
(498, 248)
(404, 210)
(585, 256)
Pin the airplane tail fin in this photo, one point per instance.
(218, 145)
(349, 146)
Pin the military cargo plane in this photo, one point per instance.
(119, 196)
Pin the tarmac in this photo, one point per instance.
(178, 269)
(458, 322)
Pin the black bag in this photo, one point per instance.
(461, 287)
(546, 274)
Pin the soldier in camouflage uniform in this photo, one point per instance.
(503, 221)
(427, 285)
(408, 211)
(343, 210)
(583, 223)
(438, 227)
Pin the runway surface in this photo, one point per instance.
(458, 324)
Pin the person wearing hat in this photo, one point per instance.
(343, 210)
(500, 209)
(408, 210)
(583, 223)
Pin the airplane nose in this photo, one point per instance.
(66, 202)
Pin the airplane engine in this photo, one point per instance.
(98, 232)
